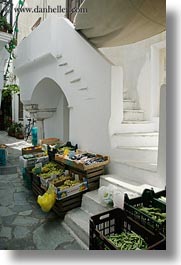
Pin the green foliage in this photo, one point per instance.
(9, 90)
(18, 128)
(11, 45)
(4, 25)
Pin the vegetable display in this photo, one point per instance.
(154, 213)
(128, 241)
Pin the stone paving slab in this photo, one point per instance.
(23, 226)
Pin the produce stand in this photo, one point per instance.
(114, 223)
(91, 172)
(83, 174)
(60, 207)
(142, 210)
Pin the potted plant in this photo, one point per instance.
(19, 132)
(4, 25)
(12, 129)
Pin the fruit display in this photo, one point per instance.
(59, 180)
(31, 149)
(48, 170)
(70, 187)
(49, 167)
(51, 173)
(68, 184)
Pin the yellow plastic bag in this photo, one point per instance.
(47, 200)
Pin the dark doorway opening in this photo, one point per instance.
(5, 112)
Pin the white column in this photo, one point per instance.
(39, 124)
(162, 138)
(116, 99)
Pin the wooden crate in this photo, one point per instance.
(63, 206)
(37, 190)
(67, 204)
(31, 150)
(81, 166)
(92, 175)
(50, 141)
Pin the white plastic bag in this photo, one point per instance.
(105, 194)
(118, 199)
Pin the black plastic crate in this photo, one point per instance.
(114, 222)
(158, 195)
(147, 199)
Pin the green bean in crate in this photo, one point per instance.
(128, 241)
(114, 230)
(147, 210)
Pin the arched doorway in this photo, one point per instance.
(51, 112)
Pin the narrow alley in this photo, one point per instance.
(23, 226)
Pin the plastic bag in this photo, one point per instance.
(47, 200)
(113, 196)
(105, 194)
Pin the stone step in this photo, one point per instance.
(125, 185)
(91, 203)
(129, 104)
(133, 115)
(142, 172)
(140, 154)
(77, 221)
(136, 127)
(139, 139)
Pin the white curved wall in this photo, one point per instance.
(136, 61)
(53, 43)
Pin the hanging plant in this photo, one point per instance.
(9, 90)
(11, 45)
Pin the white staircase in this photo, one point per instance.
(76, 221)
(134, 153)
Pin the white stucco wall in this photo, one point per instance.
(136, 61)
(90, 108)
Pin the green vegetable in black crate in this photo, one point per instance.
(154, 213)
(128, 241)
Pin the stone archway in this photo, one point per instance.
(49, 106)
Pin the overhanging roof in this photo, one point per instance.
(109, 23)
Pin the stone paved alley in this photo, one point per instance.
(23, 226)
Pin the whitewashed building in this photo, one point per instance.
(101, 85)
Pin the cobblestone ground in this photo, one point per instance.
(23, 226)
